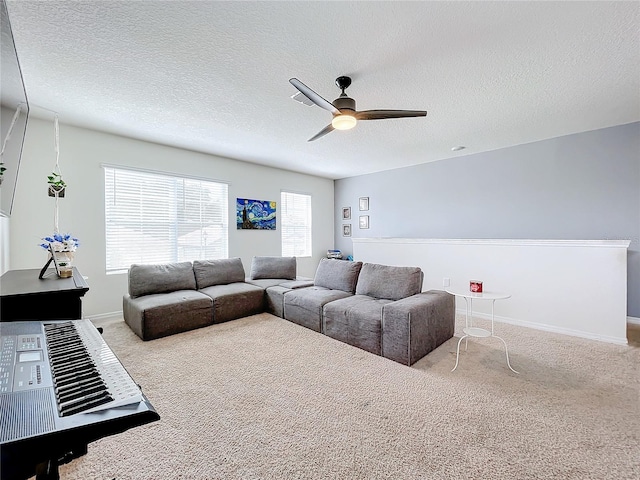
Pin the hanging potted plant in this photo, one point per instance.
(56, 185)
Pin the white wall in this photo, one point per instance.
(82, 152)
(4, 243)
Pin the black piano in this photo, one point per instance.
(25, 296)
(61, 388)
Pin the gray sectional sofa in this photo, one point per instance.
(378, 308)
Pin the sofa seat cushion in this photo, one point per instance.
(337, 274)
(235, 300)
(160, 278)
(275, 290)
(273, 267)
(159, 315)
(304, 305)
(357, 321)
(390, 282)
(265, 282)
(299, 282)
(272, 282)
(218, 272)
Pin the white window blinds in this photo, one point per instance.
(296, 224)
(157, 218)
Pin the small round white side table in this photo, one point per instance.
(469, 330)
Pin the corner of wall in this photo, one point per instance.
(4, 244)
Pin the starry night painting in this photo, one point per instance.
(255, 214)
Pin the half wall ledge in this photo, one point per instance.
(574, 287)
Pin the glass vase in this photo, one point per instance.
(64, 260)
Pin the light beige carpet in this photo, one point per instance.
(262, 398)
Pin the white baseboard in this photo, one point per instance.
(633, 320)
(548, 328)
(105, 316)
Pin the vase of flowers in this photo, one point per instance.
(64, 247)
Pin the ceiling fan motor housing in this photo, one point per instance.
(344, 103)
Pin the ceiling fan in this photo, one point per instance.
(343, 108)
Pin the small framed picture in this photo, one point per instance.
(363, 204)
(346, 213)
(346, 230)
(54, 258)
(364, 221)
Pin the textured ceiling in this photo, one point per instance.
(213, 76)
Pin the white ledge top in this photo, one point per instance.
(501, 241)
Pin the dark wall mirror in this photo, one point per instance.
(13, 98)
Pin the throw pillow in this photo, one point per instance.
(160, 278)
(218, 272)
(337, 274)
(392, 283)
(273, 267)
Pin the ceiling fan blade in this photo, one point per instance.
(322, 133)
(313, 96)
(383, 114)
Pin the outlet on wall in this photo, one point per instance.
(446, 281)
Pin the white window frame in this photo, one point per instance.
(162, 218)
(296, 224)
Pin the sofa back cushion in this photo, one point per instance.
(337, 274)
(273, 267)
(160, 278)
(392, 283)
(218, 272)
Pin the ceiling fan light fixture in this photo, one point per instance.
(343, 108)
(343, 122)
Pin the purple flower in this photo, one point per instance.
(61, 243)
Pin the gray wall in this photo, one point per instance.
(583, 186)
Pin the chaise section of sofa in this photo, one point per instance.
(334, 279)
(389, 316)
(162, 300)
(357, 320)
(223, 281)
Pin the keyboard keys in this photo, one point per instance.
(77, 383)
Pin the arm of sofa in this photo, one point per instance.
(416, 325)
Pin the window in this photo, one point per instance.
(158, 218)
(296, 224)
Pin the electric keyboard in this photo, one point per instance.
(61, 387)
